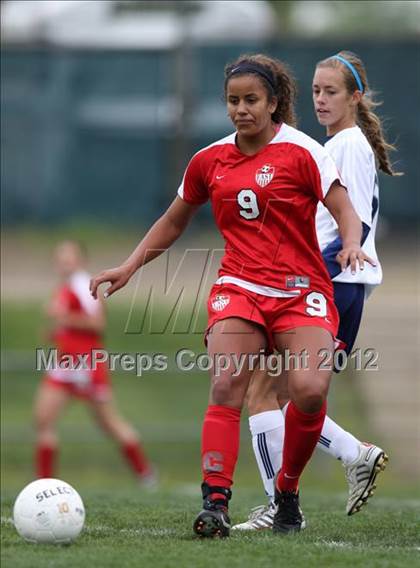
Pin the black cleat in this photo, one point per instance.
(288, 518)
(213, 521)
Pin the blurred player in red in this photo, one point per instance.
(264, 182)
(78, 322)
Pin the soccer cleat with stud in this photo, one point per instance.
(213, 520)
(261, 518)
(361, 476)
(288, 518)
(211, 523)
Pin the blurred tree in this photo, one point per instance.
(284, 11)
(338, 17)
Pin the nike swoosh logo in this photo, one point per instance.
(219, 177)
(224, 523)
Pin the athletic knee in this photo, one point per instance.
(220, 392)
(310, 398)
(42, 422)
(224, 392)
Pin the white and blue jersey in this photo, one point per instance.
(355, 161)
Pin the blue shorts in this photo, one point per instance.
(349, 300)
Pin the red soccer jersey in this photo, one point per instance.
(264, 206)
(74, 298)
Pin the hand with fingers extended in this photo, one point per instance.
(353, 255)
(118, 277)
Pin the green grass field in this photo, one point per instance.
(127, 526)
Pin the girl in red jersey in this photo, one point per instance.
(78, 322)
(264, 182)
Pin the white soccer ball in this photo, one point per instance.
(49, 511)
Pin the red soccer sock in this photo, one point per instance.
(302, 433)
(220, 445)
(44, 460)
(136, 458)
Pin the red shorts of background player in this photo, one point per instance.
(93, 385)
(275, 315)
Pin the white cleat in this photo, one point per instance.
(261, 518)
(361, 475)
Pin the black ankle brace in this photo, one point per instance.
(207, 490)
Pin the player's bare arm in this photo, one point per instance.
(167, 229)
(350, 228)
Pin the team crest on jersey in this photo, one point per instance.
(264, 175)
(220, 302)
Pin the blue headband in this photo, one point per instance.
(248, 67)
(352, 69)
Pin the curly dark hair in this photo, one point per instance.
(283, 87)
